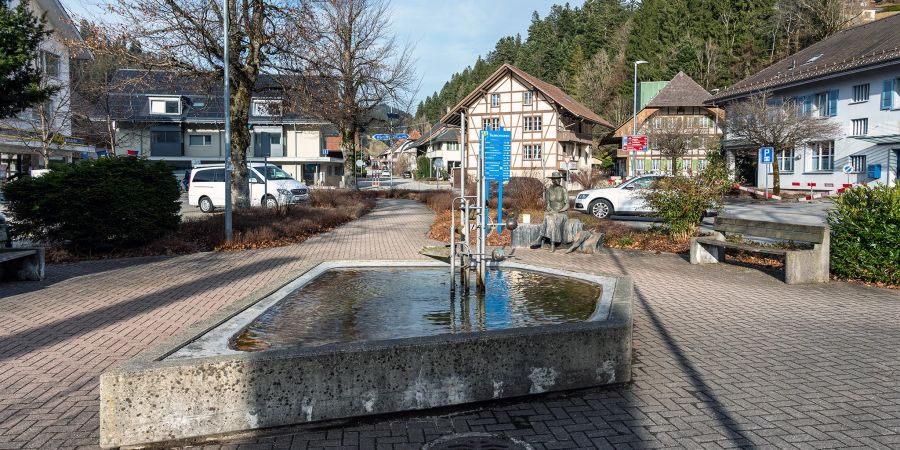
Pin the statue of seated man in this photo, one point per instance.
(556, 197)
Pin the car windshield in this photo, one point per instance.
(275, 173)
(640, 182)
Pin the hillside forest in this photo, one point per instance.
(589, 50)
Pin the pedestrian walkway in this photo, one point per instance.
(724, 356)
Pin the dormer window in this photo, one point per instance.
(266, 108)
(165, 105)
(813, 59)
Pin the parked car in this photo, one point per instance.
(622, 199)
(407, 174)
(385, 174)
(207, 187)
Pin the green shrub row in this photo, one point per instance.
(96, 205)
(865, 234)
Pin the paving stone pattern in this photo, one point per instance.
(725, 356)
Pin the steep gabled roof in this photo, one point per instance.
(866, 46)
(438, 133)
(681, 91)
(552, 92)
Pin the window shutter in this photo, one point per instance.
(832, 102)
(887, 94)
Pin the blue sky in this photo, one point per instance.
(448, 34)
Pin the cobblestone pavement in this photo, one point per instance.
(725, 356)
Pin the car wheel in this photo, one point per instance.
(270, 202)
(601, 208)
(206, 205)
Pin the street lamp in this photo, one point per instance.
(634, 118)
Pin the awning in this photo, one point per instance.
(884, 139)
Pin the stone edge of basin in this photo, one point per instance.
(148, 400)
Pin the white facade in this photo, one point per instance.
(870, 132)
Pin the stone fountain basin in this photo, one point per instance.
(194, 385)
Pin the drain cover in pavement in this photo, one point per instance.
(475, 441)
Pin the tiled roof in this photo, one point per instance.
(201, 97)
(554, 93)
(873, 44)
(681, 91)
(438, 133)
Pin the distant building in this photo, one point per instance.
(682, 100)
(550, 130)
(20, 141)
(440, 145)
(852, 77)
(179, 119)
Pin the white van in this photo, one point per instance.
(207, 187)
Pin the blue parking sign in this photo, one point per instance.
(766, 155)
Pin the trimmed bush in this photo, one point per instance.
(865, 234)
(97, 205)
(422, 167)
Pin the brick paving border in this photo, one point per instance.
(725, 356)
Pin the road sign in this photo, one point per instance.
(634, 143)
(567, 159)
(848, 169)
(766, 155)
(360, 163)
(381, 137)
(399, 136)
(324, 152)
(497, 147)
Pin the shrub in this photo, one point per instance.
(683, 201)
(865, 230)
(97, 205)
(588, 179)
(422, 167)
(523, 193)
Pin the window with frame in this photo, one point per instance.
(654, 165)
(527, 98)
(785, 161)
(50, 63)
(860, 127)
(823, 156)
(165, 106)
(861, 93)
(532, 151)
(702, 164)
(859, 163)
(200, 140)
(266, 108)
(532, 123)
(826, 103)
(490, 123)
(495, 100)
(685, 165)
(166, 137)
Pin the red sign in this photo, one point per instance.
(634, 143)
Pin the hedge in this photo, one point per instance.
(865, 234)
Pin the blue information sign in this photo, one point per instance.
(497, 146)
(399, 136)
(382, 137)
(766, 155)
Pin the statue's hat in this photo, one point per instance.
(555, 175)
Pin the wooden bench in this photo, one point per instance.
(800, 266)
(22, 263)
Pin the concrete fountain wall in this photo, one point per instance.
(177, 391)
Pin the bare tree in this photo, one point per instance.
(673, 136)
(762, 121)
(187, 36)
(357, 66)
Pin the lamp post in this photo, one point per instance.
(634, 118)
(225, 62)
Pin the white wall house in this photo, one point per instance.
(180, 120)
(550, 130)
(440, 145)
(23, 138)
(853, 78)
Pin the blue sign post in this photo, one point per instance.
(767, 157)
(382, 137)
(400, 136)
(497, 146)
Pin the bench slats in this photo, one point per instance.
(774, 230)
(746, 247)
(15, 254)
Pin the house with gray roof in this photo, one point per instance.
(680, 104)
(852, 77)
(179, 119)
(440, 145)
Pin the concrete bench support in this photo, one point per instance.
(22, 263)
